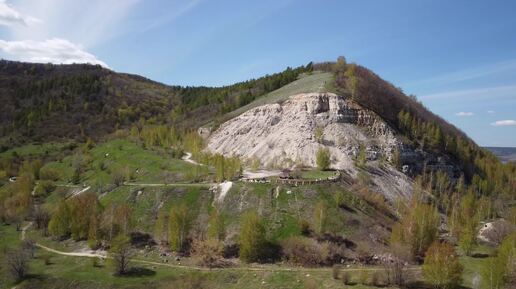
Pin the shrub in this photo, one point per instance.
(323, 159)
(442, 268)
(208, 253)
(346, 278)
(43, 188)
(49, 174)
(335, 272)
(47, 259)
(363, 278)
(304, 251)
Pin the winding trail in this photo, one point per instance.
(258, 268)
(76, 193)
(188, 158)
(170, 184)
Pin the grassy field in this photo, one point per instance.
(143, 165)
(35, 150)
(145, 205)
(315, 82)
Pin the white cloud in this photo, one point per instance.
(55, 50)
(462, 113)
(507, 122)
(11, 17)
(89, 22)
(490, 111)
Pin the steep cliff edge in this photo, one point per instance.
(289, 134)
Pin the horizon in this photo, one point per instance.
(457, 58)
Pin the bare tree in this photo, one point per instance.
(17, 262)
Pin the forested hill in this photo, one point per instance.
(42, 102)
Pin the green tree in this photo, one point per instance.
(252, 238)
(362, 157)
(121, 254)
(418, 227)
(320, 217)
(499, 269)
(442, 268)
(179, 226)
(467, 237)
(160, 227)
(352, 81)
(323, 159)
(318, 134)
(216, 226)
(59, 224)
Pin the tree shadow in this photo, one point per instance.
(139, 272)
(480, 255)
(423, 285)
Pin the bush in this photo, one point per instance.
(323, 159)
(335, 272)
(442, 268)
(208, 253)
(43, 188)
(363, 278)
(47, 259)
(304, 251)
(49, 174)
(346, 278)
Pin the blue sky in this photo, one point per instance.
(458, 57)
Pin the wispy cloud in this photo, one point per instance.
(58, 51)
(507, 122)
(89, 22)
(462, 113)
(490, 111)
(468, 74)
(477, 93)
(11, 17)
(171, 16)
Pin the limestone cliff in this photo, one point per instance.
(288, 134)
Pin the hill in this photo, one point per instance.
(44, 102)
(312, 177)
(506, 154)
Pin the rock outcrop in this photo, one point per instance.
(289, 134)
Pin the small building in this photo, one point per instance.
(285, 174)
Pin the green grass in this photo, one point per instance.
(9, 238)
(315, 82)
(145, 165)
(34, 150)
(145, 206)
(316, 174)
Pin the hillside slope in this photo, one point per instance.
(44, 102)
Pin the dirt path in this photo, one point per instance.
(76, 193)
(257, 268)
(188, 158)
(170, 185)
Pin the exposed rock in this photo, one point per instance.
(283, 135)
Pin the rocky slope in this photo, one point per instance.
(289, 134)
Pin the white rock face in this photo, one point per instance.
(283, 135)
